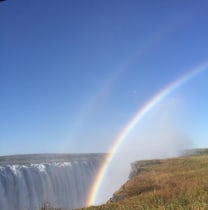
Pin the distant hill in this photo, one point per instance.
(176, 183)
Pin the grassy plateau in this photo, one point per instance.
(177, 183)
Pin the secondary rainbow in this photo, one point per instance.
(131, 124)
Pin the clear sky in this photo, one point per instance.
(73, 73)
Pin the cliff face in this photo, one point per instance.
(178, 183)
(137, 168)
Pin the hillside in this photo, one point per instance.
(177, 183)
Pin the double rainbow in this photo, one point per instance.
(131, 124)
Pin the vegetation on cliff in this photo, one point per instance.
(177, 183)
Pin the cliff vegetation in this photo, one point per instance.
(177, 183)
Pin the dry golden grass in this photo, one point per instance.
(179, 183)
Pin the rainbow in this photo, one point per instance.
(137, 118)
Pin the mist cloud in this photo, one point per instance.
(160, 134)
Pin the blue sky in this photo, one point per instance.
(73, 73)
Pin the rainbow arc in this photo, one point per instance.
(136, 119)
